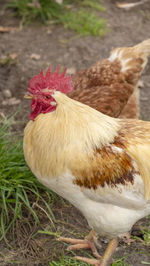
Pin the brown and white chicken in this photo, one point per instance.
(111, 85)
(98, 163)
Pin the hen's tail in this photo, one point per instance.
(132, 59)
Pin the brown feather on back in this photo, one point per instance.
(102, 87)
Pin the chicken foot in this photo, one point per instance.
(89, 242)
(105, 260)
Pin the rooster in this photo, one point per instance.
(98, 163)
(111, 86)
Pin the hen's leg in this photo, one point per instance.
(88, 242)
(105, 260)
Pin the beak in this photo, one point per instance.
(28, 96)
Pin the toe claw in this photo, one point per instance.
(87, 260)
(77, 244)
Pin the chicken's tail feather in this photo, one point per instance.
(132, 58)
(143, 48)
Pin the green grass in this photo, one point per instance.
(146, 236)
(20, 191)
(70, 261)
(66, 260)
(94, 4)
(120, 262)
(84, 23)
(28, 11)
(74, 15)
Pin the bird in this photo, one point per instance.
(111, 85)
(99, 163)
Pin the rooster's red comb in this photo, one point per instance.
(51, 81)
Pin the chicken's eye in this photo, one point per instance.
(47, 97)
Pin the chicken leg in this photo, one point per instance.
(89, 242)
(105, 260)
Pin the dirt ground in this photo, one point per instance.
(55, 45)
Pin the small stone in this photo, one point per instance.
(49, 31)
(7, 93)
(11, 101)
(13, 56)
(35, 3)
(2, 116)
(35, 56)
(71, 71)
(106, 241)
(141, 84)
(59, 1)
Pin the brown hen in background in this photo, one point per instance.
(111, 85)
